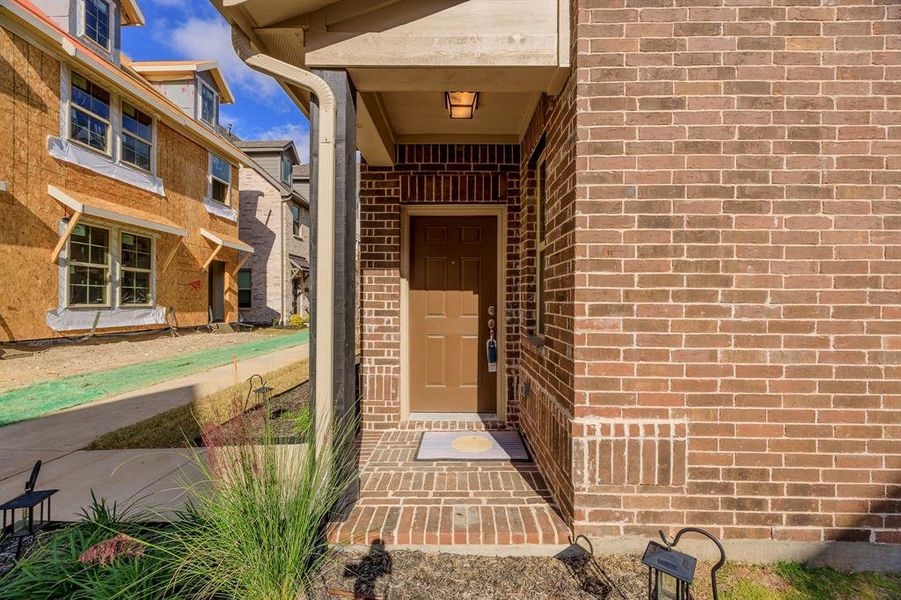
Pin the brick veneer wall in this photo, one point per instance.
(738, 257)
(424, 174)
(546, 365)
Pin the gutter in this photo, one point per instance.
(324, 322)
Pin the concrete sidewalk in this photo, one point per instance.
(62, 433)
(152, 483)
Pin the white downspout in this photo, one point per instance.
(325, 223)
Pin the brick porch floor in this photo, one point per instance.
(405, 502)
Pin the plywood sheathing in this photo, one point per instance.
(29, 114)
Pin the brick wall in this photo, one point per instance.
(423, 174)
(737, 259)
(546, 364)
(264, 224)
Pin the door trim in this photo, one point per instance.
(453, 210)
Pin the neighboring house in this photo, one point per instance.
(275, 220)
(683, 219)
(120, 204)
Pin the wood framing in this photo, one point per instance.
(67, 233)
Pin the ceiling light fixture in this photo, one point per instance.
(461, 105)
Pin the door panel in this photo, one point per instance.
(453, 282)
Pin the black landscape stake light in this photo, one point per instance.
(671, 573)
(262, 393)
(27, 514)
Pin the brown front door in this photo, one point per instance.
(453, 287)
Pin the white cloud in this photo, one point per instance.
(300, 133)
(199, 39)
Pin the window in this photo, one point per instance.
(136, 268)
(295, 220)
(208, 104)
(540, 246)
(244, 286)
(287, 165)
(220, 179)
(97, 21)
(88, 266)
(137, 137)
(89, 114)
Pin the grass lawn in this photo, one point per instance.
(793, 581)
(178, 426)
(42, 398)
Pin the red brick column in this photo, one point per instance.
(737, 258)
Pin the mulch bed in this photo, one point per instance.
(417, 575)
(280, 407)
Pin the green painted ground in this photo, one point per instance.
(42, 398)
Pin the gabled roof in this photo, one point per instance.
(286, 191)
(168, 70)
(131, 13)
(301, 171)
(252, 147)
(123, 79)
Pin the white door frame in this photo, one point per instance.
(453, 210)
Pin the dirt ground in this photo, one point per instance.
(21, 366)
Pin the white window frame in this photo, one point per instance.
(121, 269)
(74, 106)
(108, 267)
(540, 245)
(200, 88)
(83, 22)
(115, 131)
(124, 132)
(211, 177)
(286, 160)
(299, 233)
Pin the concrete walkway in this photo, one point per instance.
(151, 483)
(56, 439)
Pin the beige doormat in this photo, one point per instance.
(472, 445)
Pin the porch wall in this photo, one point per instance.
(738, 246)
(424, 174)
(546, 363)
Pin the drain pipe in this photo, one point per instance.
(325, 223)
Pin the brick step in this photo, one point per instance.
(450, 525)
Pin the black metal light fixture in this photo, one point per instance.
(461, 105)
(671, 573)
(262, 393)
(27, 514)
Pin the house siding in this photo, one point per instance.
(736, 318)
(29, 114)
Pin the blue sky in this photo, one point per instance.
(192, 29)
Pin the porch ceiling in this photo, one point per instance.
(402, 55)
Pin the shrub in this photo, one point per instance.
(61, 564)
(260, 533)
(297, 321)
